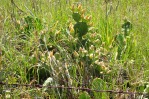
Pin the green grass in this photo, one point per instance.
(38, 41)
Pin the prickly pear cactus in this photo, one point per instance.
(84, 95)
(81, 26)
(99, 84)
(121, 38)
(126, 27)
(76, 16)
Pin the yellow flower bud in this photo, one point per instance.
(50, 54)
(96, 62)
(89, 17)
(80, 49)
(86, 17)
(91, 56)
(18, 22)
(82, 11)
(70, 25)
(79, 7)
(72, 8)
(90, 24)
(91, 47)
(57, 32)
(71, 30)
(75, 54)
(82, 16)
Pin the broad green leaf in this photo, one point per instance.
(84, 95)
(81, 28)
(76, 17)
(99, 84)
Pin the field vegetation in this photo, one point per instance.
(94, 44)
